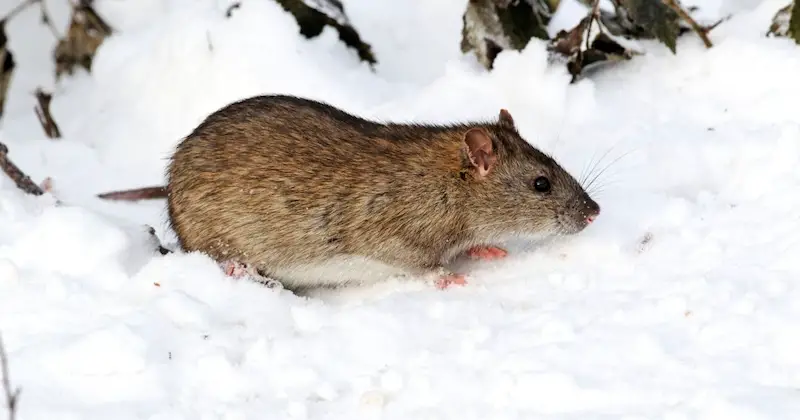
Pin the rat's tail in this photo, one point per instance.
(146, 193)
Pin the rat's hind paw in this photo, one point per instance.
(486, 253)
(234, 269)
(269, 283)
(446, 280)
(443, 278)
(238, 270)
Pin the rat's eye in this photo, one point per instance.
(541, 184)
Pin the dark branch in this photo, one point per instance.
(12, 396)
(699, 30)
(47, 20)
(43, 113)
(231, 8)
(23, 181)
(18, 9)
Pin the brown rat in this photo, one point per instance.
(309, 195)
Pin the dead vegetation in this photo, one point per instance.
(8, 65)
(601, 38)
(491, 26)
(314, 15)
(76, 48)
(43, 114)
(786, 22)
(22, 180)
(87, 30)
(11, 394)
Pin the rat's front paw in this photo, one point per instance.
(486, 253)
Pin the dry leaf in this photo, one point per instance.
(87, 30)
(314, 15)
(42, 110)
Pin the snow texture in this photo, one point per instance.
(679, 303)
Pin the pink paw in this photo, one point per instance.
(239, 270)
(486, 253)
(234, 269)
(445, 281)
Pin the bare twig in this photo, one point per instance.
(19, 8)
(43, 9)
(12, 396)
(699, 30)
(47, 20)
(7, 65)
(146, 193)
(231, 8)
(711, 27)
(23, 181)
(43, 113)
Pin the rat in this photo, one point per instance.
(296, 191)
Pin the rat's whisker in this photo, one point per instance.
(602, 186)
(595, 165)
(585, 171)
(606, 168)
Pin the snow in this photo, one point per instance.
(679, 303)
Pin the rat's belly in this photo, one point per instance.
(337, 271)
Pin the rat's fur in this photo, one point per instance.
(313, 196)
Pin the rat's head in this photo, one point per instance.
(517, 189)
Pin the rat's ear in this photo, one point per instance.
(478, 147)
(506, 120)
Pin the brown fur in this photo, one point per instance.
(280, 182)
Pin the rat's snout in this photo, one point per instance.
(580, 212)
(589, 209)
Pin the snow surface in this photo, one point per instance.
(700, 150)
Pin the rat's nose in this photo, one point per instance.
(592, 209)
